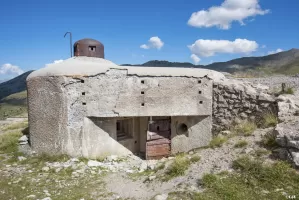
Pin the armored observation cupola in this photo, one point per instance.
(89, 48)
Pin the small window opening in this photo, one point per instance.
(82, 81)
(199, 81)
(142, 104)
(142, 81)
(142, 92)
(199, 92)
(84, 103)
(158, 128)
(200, 102)
(182, 128)
(83, 93)
(92, 48)
(124, 129)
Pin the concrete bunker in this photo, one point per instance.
(91, 107)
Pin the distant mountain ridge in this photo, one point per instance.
(15, 85)
(286, 62)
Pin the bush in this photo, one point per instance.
(218, 141)
(241, 143)
(178, 167)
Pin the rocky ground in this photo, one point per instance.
(60, 177)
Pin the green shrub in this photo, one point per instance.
(178, 167)
(241, 143)
(218, 141)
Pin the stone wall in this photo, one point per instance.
(234, 101)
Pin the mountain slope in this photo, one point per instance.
(15, 85)
(286, 62)
(13, 97)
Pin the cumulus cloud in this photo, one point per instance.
(9, 69)
(195, 58)
(207, 48)
(154, 43)
(275, 51)
(229, 11)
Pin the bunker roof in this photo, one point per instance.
(90, 66)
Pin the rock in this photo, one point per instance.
(143, 166)
(47, 198)
(151, 178)
(32, 196)
(45, 169)
(112, 158)
(24, 138)
(74, 160)
(225, 133)
(130, 171)
(295, 158)
(21, 158)
(161, 197)
(94, 163)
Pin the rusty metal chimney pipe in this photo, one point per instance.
(71, 42)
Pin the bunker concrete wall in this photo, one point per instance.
(197, 135)
(47, 116)
(68, 120)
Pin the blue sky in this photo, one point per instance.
(32, 31)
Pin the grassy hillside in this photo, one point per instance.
(14, 105)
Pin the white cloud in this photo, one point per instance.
(229, 11)
(207, 48)
(58, 61)
(154, 43)
(55, 62)
(275, 51)
(195, 58)
(144, 46)
(9, 69)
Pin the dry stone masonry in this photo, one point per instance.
(234, 101)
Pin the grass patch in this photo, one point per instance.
(177, 167)
(40, 160)
(253, 180)
(14, 126)
(261, 152)
(241, 144)
(195, 159)
(245, 128)
(218, 141)
(269, 120)
(269, 140)
(9, 142)
(288, 90)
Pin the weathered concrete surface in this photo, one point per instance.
(197, 135)
(87, 66)
(74, 105)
